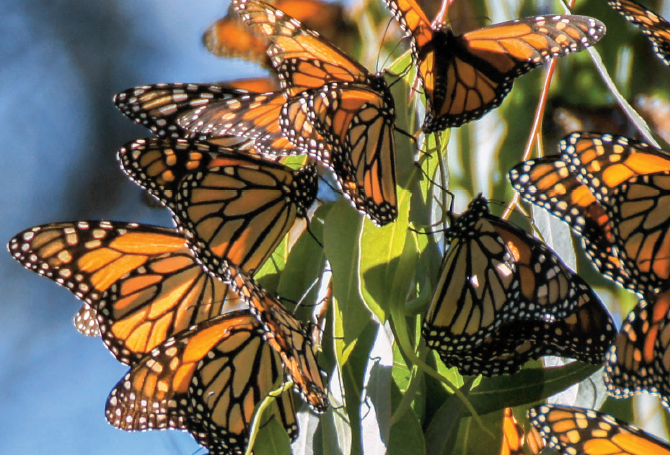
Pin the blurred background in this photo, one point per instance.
(62, 63)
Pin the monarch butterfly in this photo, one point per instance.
(207, 380)
(493, 273)
(615, 169)
(221, 114)
(234, 208)
(145, 285)
(548, 183)
(571, 430)
(140, 284)
(466, 76)
(286, 335)
(514, 438)
(585, 335)
(604, 161)
(351, 110)
(160, 107)
(228, 37)
(639, 359)
(655, 27)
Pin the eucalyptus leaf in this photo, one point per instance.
(527, 386)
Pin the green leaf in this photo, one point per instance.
(272, 440)
(341, 242)
(333, 437)
(401, 372)
(381, 248)
(306, 262)
(268, 274)
(442, 431)
(527, 386)
(352, 373)
(473, 438)
(406, 434)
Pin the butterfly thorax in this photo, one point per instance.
(304, 189)
(378, 84)
(464, 226)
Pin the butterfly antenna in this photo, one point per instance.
(439, 185)
(401, 75)
(381, 47)
(411, 137)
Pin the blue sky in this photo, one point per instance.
(62, 63)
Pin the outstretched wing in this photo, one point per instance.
(654, 26)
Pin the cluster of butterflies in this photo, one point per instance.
(164, 300)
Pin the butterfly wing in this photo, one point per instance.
(217, 113)
(638, 361)
(513, 435)
(572, 430)
(641, 223)
(253, 84)
(157, 107)
(302, 58)
(548, 183)
(86, 321)
(234, 208)
(466, 76)
(655, 27)
(477, 279)
(514, 438)
(287, 336)
(207, 380)
(252, 116)
(549, 290)
(358, 123)
(585, 335)
(604, 161)
(229, 37)
(413, 21)
(141, 281)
